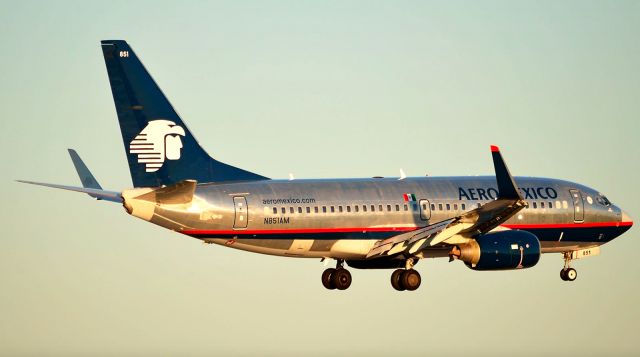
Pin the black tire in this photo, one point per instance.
(395, 280)
(411, 279)
(327, 282)
(341, 279)
(571, 274)
(563, 274)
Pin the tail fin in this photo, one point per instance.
(160, 148)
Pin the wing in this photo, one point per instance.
(480, 220)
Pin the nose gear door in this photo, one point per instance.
(242, 213)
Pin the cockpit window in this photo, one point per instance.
(602, 199)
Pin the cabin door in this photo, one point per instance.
(578, 206)
(242, 212)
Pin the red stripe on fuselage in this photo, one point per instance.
(568, 225)
(393, 229)
(302, 230)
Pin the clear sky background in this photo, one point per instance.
(319, 89)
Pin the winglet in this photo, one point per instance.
(506, 185)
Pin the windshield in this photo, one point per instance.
(602, 199)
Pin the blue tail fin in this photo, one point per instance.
(160, 148)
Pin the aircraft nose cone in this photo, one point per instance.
(626, 218)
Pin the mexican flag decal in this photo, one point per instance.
(409, 197)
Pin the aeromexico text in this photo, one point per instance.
(286, 201)
(491, 193)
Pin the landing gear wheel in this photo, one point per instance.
(410, 279)
(563, 274)
(327, 282)
(341, 279)
(395, 280)
(571, 274)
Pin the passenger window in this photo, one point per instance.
(315, 209)
(380, 208)
(433, 206)
(373, 208)
(275, 210)
(448, 207)
(364, 208)
(464, 207)
(290, 209)
(332, 209)
(340, 209)
(424, 206)
(356, 208)
(550, 205)
(349, 209)
(397, 208)
(439, 206)
(308, 209)
(535, 205)
(455, 206)
(541, 204)
(299, 209)
(388, 208)
(324, 209)
(406, 208)
(284, 210)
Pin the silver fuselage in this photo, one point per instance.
(343, 218)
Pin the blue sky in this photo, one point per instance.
(319, 89)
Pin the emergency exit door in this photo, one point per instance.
(242, 212)
(425, 210)
(578, 206)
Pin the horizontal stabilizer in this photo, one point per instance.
(181, 192)
(93, 192)
(86, 177)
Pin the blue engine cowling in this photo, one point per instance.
(504, 250)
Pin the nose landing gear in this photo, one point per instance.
(338, 278)
(568, 273)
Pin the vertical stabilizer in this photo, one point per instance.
(160, 148)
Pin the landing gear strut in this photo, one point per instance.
(568, 273)
(338, 278)
(406, 279)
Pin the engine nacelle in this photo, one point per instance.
(503, 250)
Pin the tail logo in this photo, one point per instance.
(158, 141)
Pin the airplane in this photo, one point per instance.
(496, 222)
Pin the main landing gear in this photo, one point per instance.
(402, 279)
(338, 278)
(568, 273)
(406, 279)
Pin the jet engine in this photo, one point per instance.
(503, 250)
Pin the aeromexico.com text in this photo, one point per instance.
(285, 201)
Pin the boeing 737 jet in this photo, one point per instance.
(489, 223)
